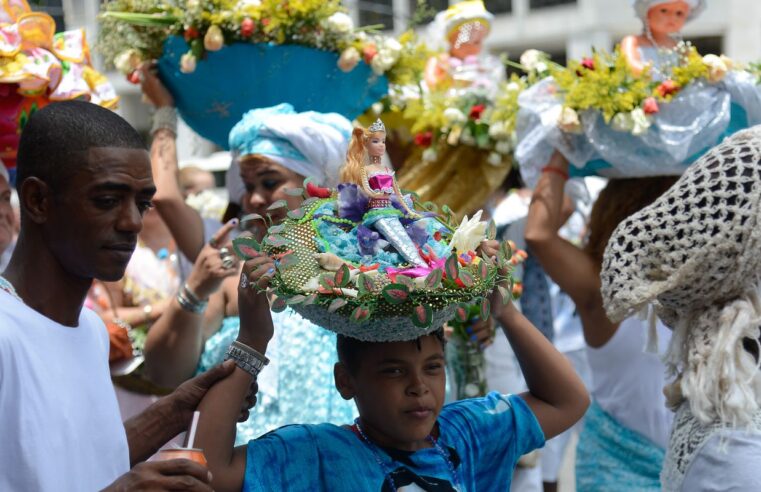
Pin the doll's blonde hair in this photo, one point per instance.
(356, 156)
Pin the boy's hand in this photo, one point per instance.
(481, 332)
(253, 305)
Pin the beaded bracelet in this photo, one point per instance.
(247, 358)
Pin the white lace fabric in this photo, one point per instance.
(695, 256)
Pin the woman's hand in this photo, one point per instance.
(215, 262)
(153, 89)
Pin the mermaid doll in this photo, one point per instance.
(365, 169)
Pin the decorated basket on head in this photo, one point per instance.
(650, 108)
(39, 66)
(221, 58)
(361, 261)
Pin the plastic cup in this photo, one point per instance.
(191, 454)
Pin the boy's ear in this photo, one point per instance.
(344, 383)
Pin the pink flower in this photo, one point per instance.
(650, 106)
(588, 63)
(369, 52)
(667, 88)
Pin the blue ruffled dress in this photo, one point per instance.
(696, 119)
(297, 387)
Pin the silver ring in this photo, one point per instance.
(243, 280)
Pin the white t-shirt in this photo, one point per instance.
(59, 422)
(628, 382)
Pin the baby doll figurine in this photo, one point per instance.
(465, 27)
(365, 169)
(662, 24)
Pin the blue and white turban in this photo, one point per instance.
(310, 144)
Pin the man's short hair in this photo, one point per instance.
(350, 350)
(55, 138)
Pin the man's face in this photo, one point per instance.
(93, 224)
(7, 219)
(399, 391)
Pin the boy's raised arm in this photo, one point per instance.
(221, 405)
(556, 394)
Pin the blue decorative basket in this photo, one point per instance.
(243, 76)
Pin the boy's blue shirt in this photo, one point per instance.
(484, 438)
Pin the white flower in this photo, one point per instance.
(377, 108)
(393, 46)
(513, 87)
(127, 61)
(635, 122)
(541, 67)
(188, 63)
(717, 68)
(454, 115)
(214, 40)
(208, 204)
(498, 130)
(348, 59)
(340, 23)
(469, 234)
(504, 147)
(622, 122)
(641, 122)
(730, 63)
(533, 60)
(430, 154)
(568, 121)
(242, 4)
(495, 159)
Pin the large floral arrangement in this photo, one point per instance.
(135, 30)
(319, 276)
(605, 82)
(468, 118)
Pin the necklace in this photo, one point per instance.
(375, 159)
(387, 471)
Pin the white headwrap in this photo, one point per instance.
(641, 7)
(311, 144)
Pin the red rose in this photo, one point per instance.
(191, 33)
(588, 63)
(424, 139)
(437, 236)
(667, 88)
(369, 52)
(650, 106)
(475, 111)
(247, 27)
(265, 22)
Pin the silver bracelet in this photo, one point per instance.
(165, 118)
(189, 301)
(247, 358)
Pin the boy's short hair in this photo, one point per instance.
(350, 350)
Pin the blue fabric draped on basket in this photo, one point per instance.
(242, 76)
(695, 120)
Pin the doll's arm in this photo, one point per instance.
(403, 201)
(629, 47)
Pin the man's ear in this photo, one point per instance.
(344, 381)
(35, 199)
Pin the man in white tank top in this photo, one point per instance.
(84, 182)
